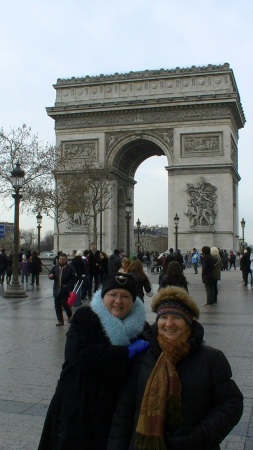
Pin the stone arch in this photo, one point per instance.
(191, 115)
(123, 159)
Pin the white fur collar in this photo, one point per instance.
(120, 332)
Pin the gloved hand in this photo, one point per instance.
(137, 347)
(195, 440)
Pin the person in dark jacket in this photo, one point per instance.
(245, 265)
(180, 394)
(217, 270)
(142, 283)
(64, 277)
(208, 277)
(93, 261)
(101, 341)
(81, 267)
(103, 265)
(114, 262)
(174, 276)
(35, 267)
(3, 265)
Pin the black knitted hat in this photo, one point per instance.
(118, 281)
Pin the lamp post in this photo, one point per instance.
(39, 220)
(15, 290)
(138, 224)
(243, 226)
(128, 217)
(176, 222)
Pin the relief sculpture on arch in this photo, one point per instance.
(202, 204)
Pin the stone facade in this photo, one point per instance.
(191, 115)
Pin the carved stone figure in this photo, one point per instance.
(202, 203)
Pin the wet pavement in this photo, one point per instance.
(32, 347)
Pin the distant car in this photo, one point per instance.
(48, 254)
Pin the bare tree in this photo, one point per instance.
(36, 160)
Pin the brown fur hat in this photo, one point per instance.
(175, 300)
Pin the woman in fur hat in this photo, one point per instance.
(180, 395)
(101, 341)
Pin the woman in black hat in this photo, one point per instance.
(101, 341)
(180, 395)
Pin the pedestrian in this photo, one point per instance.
(217, 270)
(168, 258)
(245, 265)
(143, 285)
(56, 258)
(81, 268)
(125, 262)
(3, 265)
(225, 260)
(179, 394)
(101, 341)
(208, 275)
(93, 260)
(64, 278)
(103, 265)
(251, 269)
(179, 258)
(24, 269)
(174, 276)
(195, 260)
(35, 268)
(232, 259)
(9, 268)
(114, 262)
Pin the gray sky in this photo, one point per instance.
(48, 39)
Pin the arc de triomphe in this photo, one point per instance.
(192, 116)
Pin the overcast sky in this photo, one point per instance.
(48, 39)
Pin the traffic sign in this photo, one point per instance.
(2, 231)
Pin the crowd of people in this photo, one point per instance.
(126, 384)
(29, 264)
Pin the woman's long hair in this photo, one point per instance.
(137, 268)
(174, 274)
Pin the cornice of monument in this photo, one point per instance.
(212, 83)
(144, 74)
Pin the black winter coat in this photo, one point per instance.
(208, 269)
(114, 263)
(79, 415)
(67, 281)
(212, 402)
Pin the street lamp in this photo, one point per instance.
(128, 217)
(176, 222)
(243, 226)
(39, 220)
(138, 224)
(15, 290)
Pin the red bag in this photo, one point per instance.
(73, 295)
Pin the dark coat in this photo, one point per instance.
(142, 285)
(81, 266)
(94, 260)
(67, 281)
(3, 262)
(114, 263)
(35, 265)
(211, 400)
(245, 262)
(80, 412)
(207, 269)
(180, 282)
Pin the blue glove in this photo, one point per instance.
(137, 347)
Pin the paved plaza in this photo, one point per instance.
(31, 355)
